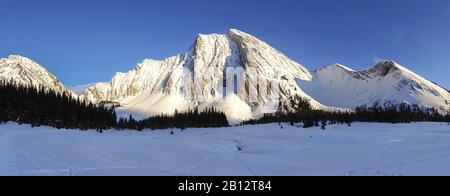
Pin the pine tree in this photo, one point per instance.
(323, 125)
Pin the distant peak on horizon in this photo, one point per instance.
(16, 57)
(334, 66)
(231, 31)
(382, 64)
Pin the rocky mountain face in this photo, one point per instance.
(216, 67)
(385, 83)
(24, 71)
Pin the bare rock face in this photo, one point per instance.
(257, 54)
(266, 66)
(386, 83)
(216, 66)
(24, 71)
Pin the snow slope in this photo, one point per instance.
(196, 79)
(24, 71)
(387, 82)
(363, 149)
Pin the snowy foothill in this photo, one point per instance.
(362, 149)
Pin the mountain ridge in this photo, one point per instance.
(25, 71)
(387, 82)
(251, 70)
(197, 78)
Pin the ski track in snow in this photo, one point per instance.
(13, 156)
(224, 150)
(215, 154)
(6, 154)
(379, 170)
(10, 153)
(363, 149)
(74, 171)
(246, 166)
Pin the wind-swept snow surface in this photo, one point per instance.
(363, 149)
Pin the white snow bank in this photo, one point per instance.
(235, 109)
(147, 104)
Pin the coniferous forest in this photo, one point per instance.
(191, 119)
(41, 107)
(300, 111)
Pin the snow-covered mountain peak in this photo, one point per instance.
(25, 71)
(383, 68)
(197, 78)
(387, 82)
(388, 63)
(17, 58)
(335, 67)
(235, 31)
(392, 69)
(151, 63)
(256, 53)
(17, 61)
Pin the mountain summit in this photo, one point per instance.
(24, 71)
(386, 83)
(242, 63)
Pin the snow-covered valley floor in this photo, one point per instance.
(363, 149)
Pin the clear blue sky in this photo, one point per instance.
(86, 41)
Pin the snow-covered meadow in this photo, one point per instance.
(363, 149)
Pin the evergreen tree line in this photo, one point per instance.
(191, 119)
(403, 113)
(300, 111)
(38, 106)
